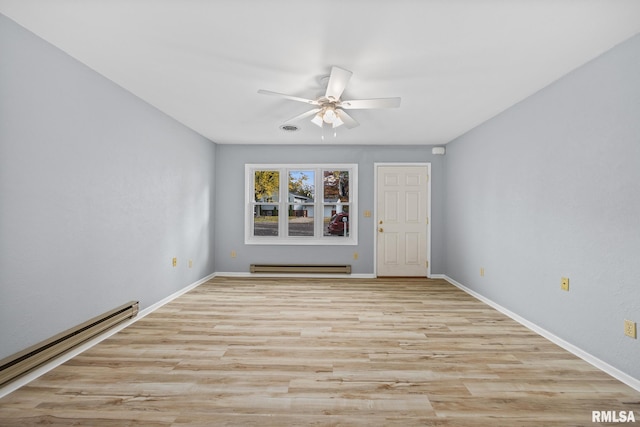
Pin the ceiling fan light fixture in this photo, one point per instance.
(329, 116)
(337, 122)
(317, 119)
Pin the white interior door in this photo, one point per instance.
(402, 220)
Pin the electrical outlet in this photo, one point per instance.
(233, 254)
(367, 214)
(630, 329)
(174, 261)
(355, 255)
(481, 271)
(190, 263)
(564, 284)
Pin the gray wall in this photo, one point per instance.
(98, 192)
(551, 188)
(229, 227)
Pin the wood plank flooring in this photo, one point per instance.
(316, 352)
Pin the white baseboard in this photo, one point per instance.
(46, 367)
(587, 357)
(171, 297)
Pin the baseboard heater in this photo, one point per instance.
(22, 362)
(301, 268)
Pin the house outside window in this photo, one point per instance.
(301, 204)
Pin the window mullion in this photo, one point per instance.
(319, 204)
(284, 203)
(251, 201)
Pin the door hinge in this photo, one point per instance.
(427, 220)
(426, 264)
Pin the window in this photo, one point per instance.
(310, 204)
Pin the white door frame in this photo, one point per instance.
(375, 211)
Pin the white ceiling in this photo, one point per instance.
(455, 63)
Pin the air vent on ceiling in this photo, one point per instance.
(289, 128)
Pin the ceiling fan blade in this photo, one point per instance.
(293, 98)
(304, 115)
(367, 104)
(348, 121)
(337, 82)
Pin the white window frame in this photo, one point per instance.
(318, 238)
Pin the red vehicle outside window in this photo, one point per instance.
(338, 223)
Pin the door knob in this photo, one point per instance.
(380, 229)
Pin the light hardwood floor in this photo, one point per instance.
(281, 352)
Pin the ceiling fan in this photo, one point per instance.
(329, 108)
